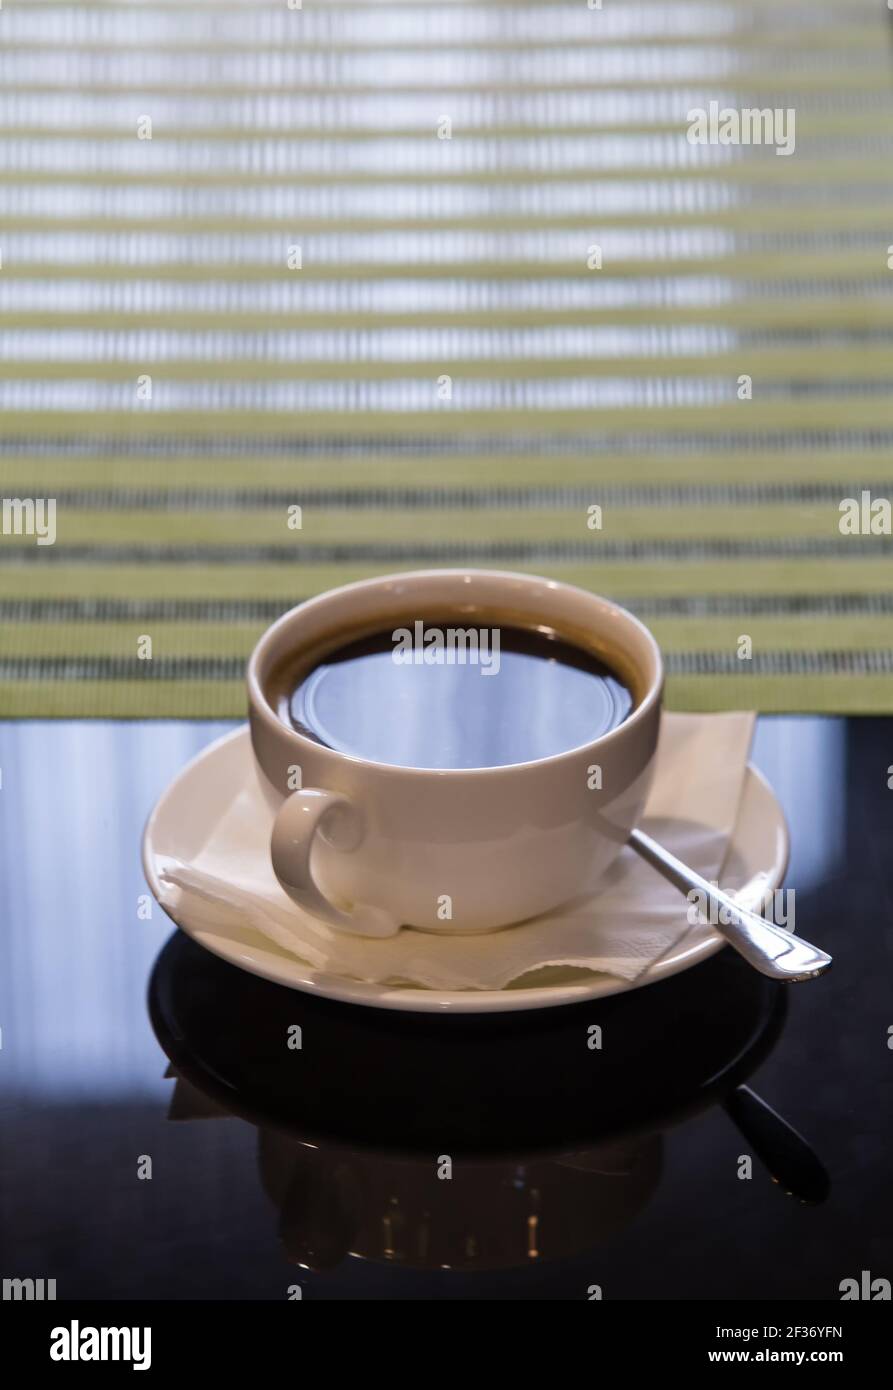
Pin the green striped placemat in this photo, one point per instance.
(445, 275)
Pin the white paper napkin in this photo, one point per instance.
(633, 920)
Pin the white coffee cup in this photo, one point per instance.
(369, 847)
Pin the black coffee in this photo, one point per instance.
(445, 697)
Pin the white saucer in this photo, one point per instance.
(757, 860)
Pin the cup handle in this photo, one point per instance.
(294, 829)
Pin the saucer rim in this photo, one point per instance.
(416, 999)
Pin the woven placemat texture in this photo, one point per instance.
(445, 276)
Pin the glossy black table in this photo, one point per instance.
(317, 1170)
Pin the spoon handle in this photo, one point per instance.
(790, 1160)
(774, 952)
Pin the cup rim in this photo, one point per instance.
(261, 708)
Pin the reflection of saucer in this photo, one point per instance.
(483, 1085)
(555, 1147)
(183, 819)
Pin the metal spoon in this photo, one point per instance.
(792, 1163)
(774, 952)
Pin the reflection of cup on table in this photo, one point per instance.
(500, 1214)
(370, 845)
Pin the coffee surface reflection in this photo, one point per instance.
(441, 697)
